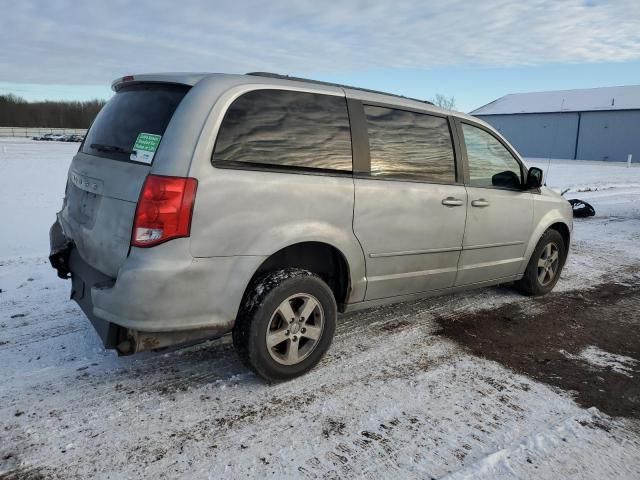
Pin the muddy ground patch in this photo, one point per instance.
(585, 342)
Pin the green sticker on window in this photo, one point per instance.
(145, 147)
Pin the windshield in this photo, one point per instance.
(143, 108)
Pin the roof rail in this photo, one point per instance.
(318, 82)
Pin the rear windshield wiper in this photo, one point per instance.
(109, 148)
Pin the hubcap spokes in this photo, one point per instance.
(295, 329)
(548, 264)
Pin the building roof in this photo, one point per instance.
(584, 100)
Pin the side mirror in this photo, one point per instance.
(534, 178)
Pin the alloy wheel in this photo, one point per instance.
(295, 329)
(548, 264)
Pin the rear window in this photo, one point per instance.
(136, 109)
(287, 129)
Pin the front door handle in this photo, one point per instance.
(452, 202)
(481, 202)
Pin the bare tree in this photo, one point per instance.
(442, 101)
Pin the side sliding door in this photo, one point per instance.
(410, 203)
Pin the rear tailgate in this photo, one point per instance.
(107, 174)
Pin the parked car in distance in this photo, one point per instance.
(73, 138)
(45, 137)
(53, 137)
(59, 137)
(263, 205)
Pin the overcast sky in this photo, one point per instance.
(474, 50)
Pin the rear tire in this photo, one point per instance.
(545, 265)
(285, 324)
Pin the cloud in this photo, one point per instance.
(92, 42)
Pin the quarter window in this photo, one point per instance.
(407, 145)
(490, 163)
(287, 129)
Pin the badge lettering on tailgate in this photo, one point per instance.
(85, 183)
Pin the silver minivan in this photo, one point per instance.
(263, 205)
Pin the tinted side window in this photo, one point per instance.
(285, 128)
(409, 145)
(490, 163)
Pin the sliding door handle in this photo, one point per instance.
(481, 202)
(452, 202)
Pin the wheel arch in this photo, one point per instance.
(552, 222)
(321, 258)
(563, 229)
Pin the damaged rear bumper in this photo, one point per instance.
(60, 251)
(161, 297)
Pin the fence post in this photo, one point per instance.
(629, 160)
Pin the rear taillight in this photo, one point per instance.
(164, 210)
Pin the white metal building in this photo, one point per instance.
(588, 124)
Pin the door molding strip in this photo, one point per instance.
(415, 252)
(492, 245)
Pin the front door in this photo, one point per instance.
(499, 211)
(409, 210)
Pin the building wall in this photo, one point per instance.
(538, 134)
(607, 135)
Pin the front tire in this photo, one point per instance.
(286, 324)
(545, 265)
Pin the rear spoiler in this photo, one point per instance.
(175, 78)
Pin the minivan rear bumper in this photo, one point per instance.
(161, 296)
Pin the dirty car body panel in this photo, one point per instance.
(399, 238)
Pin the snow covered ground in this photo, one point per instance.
(393, 398)
(34, 175)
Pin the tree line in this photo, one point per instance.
(17, 112)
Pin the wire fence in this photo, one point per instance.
(34, 132)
